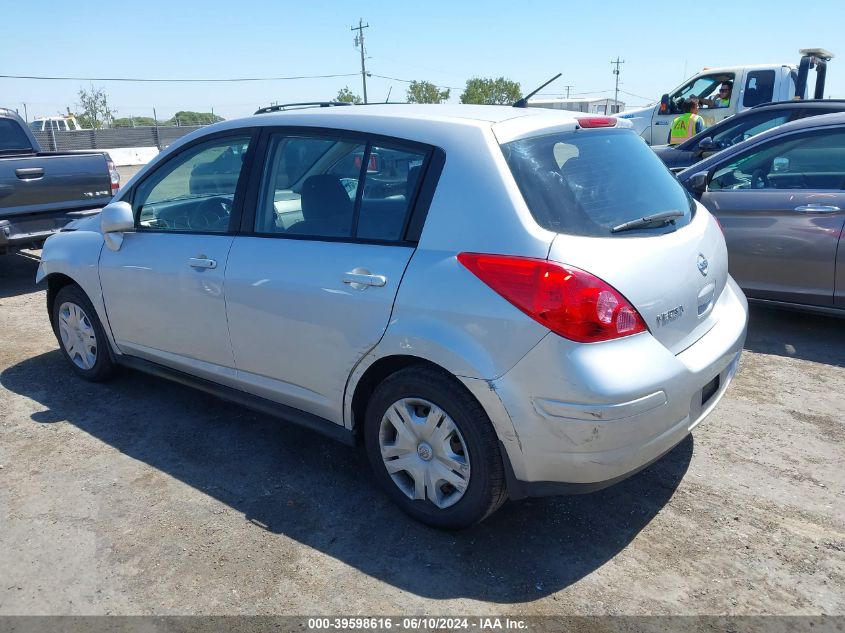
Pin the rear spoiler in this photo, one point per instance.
(812, 58)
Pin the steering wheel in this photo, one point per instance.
(209, 214)
(758, 179)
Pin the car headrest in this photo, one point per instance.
(324, 196)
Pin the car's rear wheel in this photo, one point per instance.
(80, 334)
(433, 449)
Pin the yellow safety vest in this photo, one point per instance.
(683, 128)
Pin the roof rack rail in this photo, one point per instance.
(296, 106)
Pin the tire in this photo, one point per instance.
(81, 336)
(424, 419)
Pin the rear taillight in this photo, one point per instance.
(114, 176)
(569, 301)
(597, 121)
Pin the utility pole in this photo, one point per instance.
(567, 90)
(616, 72)
(359, 41)
(25, 113)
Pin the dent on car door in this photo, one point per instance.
(163, 288)
(310, 287)
(782, 208)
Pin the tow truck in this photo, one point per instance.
(751, 85)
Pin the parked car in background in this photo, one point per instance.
(40, 192)
(750, 86)
(538, 308)
(741, 127)
(780, 199)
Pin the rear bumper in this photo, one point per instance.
(25, 230)
(587, 416)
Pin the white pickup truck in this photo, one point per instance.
(751, 85)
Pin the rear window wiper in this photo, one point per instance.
(664, 217)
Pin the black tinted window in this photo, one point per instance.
(759, 87)
(12, 136)
(588, 181)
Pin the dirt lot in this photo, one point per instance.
(139, 496)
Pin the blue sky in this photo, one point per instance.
(438, 41)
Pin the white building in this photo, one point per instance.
(591, 106)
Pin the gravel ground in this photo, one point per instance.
(139, 496)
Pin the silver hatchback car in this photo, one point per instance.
(499, 302)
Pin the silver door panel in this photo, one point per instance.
(163, 308)
(300, 318)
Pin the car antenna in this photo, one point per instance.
(523, 103)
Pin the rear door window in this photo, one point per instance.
(759, 87)
(332, 187)
(12, 137)
(588, 181)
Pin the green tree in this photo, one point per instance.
(94, 111)
(189, 117)
(135, 121)
(426, 92)
(499, 91)
(347, 96)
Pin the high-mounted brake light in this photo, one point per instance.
(569, 301)
(597, 121)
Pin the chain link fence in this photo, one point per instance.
(152, 136)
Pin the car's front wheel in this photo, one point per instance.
(433, 449)
(80, 334)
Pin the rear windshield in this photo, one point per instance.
(588, 181)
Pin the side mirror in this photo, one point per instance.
(707, 144)
(664, 104)
(115, 219)
(780, 164)
(698, 182)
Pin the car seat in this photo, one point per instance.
(326, 208)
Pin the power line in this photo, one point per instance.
(408, 81)
(176, 80)
(631, 94)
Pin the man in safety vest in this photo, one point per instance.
(723, 100)
(687, 125)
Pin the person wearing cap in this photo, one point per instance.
(686, 125)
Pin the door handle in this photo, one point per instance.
(817, 208)
(359, 281)
(29, 173)
(202, 263)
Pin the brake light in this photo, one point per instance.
(569, 301)
(597, 121)
(114, 177)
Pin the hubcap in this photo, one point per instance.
(78, 337)
(424, 452)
